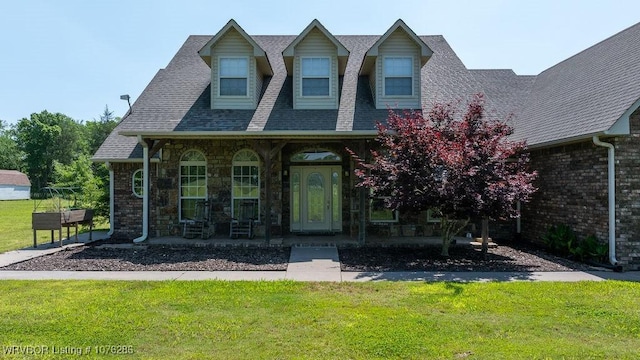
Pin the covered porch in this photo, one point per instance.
(293, 240)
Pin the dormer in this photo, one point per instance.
(238, 66)
(315, 59)
(393, 65)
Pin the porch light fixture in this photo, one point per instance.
(127, 97)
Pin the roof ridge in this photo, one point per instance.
(592, 46)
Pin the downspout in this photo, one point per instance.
(145, 193)
(111, 199)
(611, 175)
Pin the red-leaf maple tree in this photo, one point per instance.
(459, 166)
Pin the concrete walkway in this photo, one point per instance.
(16, 256)
(314, 264)
(305, 264)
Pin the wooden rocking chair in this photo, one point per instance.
(201, 224)
(243, 224)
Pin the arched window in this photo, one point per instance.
(193, 182)
(245, 184)
(137, 185)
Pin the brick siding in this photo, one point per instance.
(628, 194)
(573, 190)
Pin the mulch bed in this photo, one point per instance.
(520, 258)
(462, 258)
(159, 258)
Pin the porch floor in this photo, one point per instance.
(293, 240)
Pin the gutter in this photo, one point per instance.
(611, 177)
(286, 134)
(145, 195)
(111, 199)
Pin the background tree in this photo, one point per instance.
(81, 176)
(97, 190)
(98, 130)
(10, 157)
(458, 167)
(47, 137)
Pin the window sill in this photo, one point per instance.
(233, 96)
(399, 96)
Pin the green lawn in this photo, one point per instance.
(15, 226)
(282, 320)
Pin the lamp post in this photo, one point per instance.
(127, 97)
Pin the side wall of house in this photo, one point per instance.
(15, 192)
(127, 206)
(572, 190)
(628, 194)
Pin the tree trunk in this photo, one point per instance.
(446, 236)
(449, 229)
(485, 235)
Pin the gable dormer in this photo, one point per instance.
(315, 59)
(238, 66)
(394, 65)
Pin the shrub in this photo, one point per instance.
(560, 239)
(590, 249)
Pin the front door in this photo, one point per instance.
(316, 199)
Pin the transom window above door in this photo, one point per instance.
(315, 76)
(315, 155)
(234, 72)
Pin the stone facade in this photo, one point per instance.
(164, 187)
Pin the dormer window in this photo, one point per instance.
(233, 76)
(315, 60)
(394, 66)
(315, 76)
(398, 76)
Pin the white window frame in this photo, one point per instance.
(220, 76)
(191, 163)
(384, 75)
(139, 184)
(396, 216)
(235, 163)
(302, 77)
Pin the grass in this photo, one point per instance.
(271, 320)
(15, 226)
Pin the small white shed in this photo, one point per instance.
(14, 185)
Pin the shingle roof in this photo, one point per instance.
(584, 94)
(506, 88)
(14, 177)
(178, 98)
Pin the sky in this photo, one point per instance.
(78, 56)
